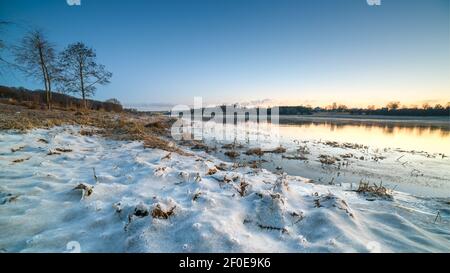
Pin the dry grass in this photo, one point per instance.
(222, 167)
(195, 145)
(20, 160)
(232, 146)
(346, 145)
(255, 151)
(157, 126)
(158, 212)
(152, 130)
(346, 156)
(278, 150)
(374, 190)
(242, 189)
(13, 150)
(63, 150)
(211, 171)
(229, 146)
(254, 164)
(232, 154)
(87, 132)
(328, 160)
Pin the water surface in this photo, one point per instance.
(408, 155)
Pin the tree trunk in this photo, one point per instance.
(84, 99)
(83, 91)
(46, 85)
(46, 79)
(49, 92)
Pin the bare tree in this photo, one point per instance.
(393, 105)
(371, 107)
(426, 106)
(35, 56)
(438, 107)
(342, 108)
(334, 106)
(81, 72)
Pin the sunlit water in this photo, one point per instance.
(415, 155)
(416, 138)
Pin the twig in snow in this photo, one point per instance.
(95, 176)
(21, 160)
(438, 215)
(167, 156)
(13, 150)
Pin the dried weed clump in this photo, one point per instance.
(242, 189)
(232, 154)
(255, 151)
(158, 212)
(374, 190)
(328, 160)
(278, 150)
(20, 160)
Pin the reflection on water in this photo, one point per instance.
(430, 135)
(433, 139)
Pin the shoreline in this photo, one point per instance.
(434, 122)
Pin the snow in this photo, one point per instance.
(239, 209)
(418, 172)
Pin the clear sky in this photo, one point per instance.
(285, 52)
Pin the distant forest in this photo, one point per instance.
(391, 109)
(38, 100)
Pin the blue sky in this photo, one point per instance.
(286, 52)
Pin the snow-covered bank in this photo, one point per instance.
(148, 200)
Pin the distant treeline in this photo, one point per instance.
(38, 100)
(437, 110)
(403, 112)
(392, 109)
